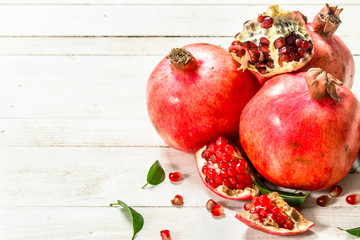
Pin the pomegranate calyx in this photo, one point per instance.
(322, 84)
(327, 21)
(182, 60)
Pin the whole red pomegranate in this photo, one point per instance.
(330, 53)
(302, 130)
(196, 94)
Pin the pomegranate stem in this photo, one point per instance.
(182, 60)
(327, 21)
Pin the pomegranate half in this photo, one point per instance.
(275, 42)
(271, 214)
(302, 130)
(196, 94)
(224, 171)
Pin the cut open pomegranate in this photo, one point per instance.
(225, 171)
(275, 42)
(271, 214)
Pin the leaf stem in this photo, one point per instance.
(144, 186)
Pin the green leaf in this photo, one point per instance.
(353, 231)
(291, 198)
(137, 219)
(156, 174)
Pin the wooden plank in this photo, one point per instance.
(39, 176)
(78, 87)
(33, 223)
(115, 45)
(146, 20)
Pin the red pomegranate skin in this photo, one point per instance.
(332, 55)
(330, 52)
(191, 108)
(296, 141)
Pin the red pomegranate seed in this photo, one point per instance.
(264, 41)
(353, 199)
(165, 235)
(335, 190)
(217, 210)
(240, 52)
(248, 206)
(222, 164)
(290, 40)
(264, 48)
(178, 200)
(322, 200)
(210, 204)
(301, 52)
(284, 50)
(218, 179)
(270, 63)
(213, 184)
(260, 65)
(260, 18)
(291, 56)
(254, 55)
(307, 45)
(224, 173)
(221, 142)
(211, 174)
(299, 42)
(267, 22)
(226, 157)
(279, 43)
(241, 167)
(175, 176)
(283, 58)
(229, 149)
(204, 170)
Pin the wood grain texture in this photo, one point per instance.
(74, 132)
(143, 20)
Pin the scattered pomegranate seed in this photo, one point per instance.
(322, 200)
(217, 210)
(267, 22)
(178, 200)
(247, 206)
(165, 235)
(335, 190)
(210, 204)
(175, 176)
(353, 199)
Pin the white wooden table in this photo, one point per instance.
(74, 132)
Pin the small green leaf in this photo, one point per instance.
(291, 198)
(156, 174)
(137, 219)
(353, 231)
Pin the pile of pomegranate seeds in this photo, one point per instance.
(353, 199)
(322, 200)
(335, 190)
(263, 208)
(292, 48)
(178, 200)
(175, 176)
(224, 167)
(165, 235)
(216, 209)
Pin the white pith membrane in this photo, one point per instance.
(285, 22)
(270, 226)
(247, 193)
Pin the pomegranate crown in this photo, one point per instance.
(327, 20)
(322, 84)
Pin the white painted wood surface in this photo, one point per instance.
(74, 132)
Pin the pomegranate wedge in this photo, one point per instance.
(271, 214)
(224, 171)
